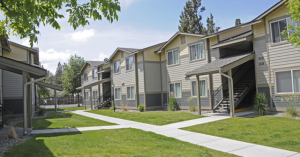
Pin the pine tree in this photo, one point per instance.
(210, 26)
(58, 74)
(237, 22)
(190, 21)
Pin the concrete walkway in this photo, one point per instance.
(213, 142)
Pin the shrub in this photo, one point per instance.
(192, 103)
(41, 111)
(141, 108)
(260, 104)
(11, 134)
(124, 107)
(291, 103)
(112, 107)
(173, 105)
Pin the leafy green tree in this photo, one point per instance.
(43, 92)
(190, 20)
(210, 26)
(293, 35)
(58, 74)
(23, 17)
(71, 79)
(237, 22)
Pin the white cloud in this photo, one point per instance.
(127, 3)
(27, 43)
(101, 57)
(50, 58)
(82, 35)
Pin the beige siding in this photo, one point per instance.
(283, 57)
(213, 40)
(16, 53)
(183, 47)
(153, 77)
(281, 11)
(260, 48)
(107, 65)
(259, 30)
(216, 80)
(89, 69)
(234, 32)
(150, 55)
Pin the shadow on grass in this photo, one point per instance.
(36, 146)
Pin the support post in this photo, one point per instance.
(198, 94)
(231, 94)
(99, 94)
(25, 126)
(91, 98)
(55, 101)
(84, 98)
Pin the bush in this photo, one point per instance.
(124, 107)
(173, 105)
(192, 103)
(291, 103)
(141, 108)
(41, 111)
(260, 104)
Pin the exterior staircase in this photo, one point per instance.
(104, 100)
(241, 89)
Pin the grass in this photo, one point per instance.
(65, 109)
(118, 142)
(156, 118)
(283, 133)
(63, 120)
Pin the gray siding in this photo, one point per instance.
(129, 103)
(13, 105)
(164, 76)
(141, 77)
(12, 85)
(141, 99)
(277, 100)
(153, 100)
(152, 77)
(260, 49)
(165, 98)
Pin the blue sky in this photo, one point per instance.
(141, 23)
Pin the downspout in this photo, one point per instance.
(231, 93)
(25, 131)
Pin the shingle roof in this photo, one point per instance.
(240, 36)
(128, 49)
(95, 63)
(217, 64)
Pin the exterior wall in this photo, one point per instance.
(124, 79)
(234, 32)
(140, 73)
(176, 73)
(88, 68)
(16, 53)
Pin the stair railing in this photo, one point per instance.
(106, 95)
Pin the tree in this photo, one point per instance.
(71, 79)
(210, 26)
(43, 92)
(23, 17)
(58, 74)
(293, 35)
(237, 22)
(190, 21)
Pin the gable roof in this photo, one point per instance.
(274, 7)
(238, 38)
(174, 36)
(92, 63)
(129, 50)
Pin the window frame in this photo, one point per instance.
(95, 96)
(87, 76)
(116, 94)
(292, 77)
(174, 90)
(93, 72)
(131, 98)
(119, 67)
(87, 98)
(172, 51)
(129, 65)
(189, 49)
(206, 93)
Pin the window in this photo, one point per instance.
(175, 90)
(173, 57)
(87, 96)
(278, 26)
(196, 51)
(95, 75)
(129, 63)
(85, 76)
(117, 93)
(117, 67)
(130, 92)
(95, 94)
(203, 91)
(288, 81)
(183, 40)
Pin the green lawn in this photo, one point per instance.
(66, 109)
(117, 142)
(283, 133)
(156, 118)
(63, 120)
